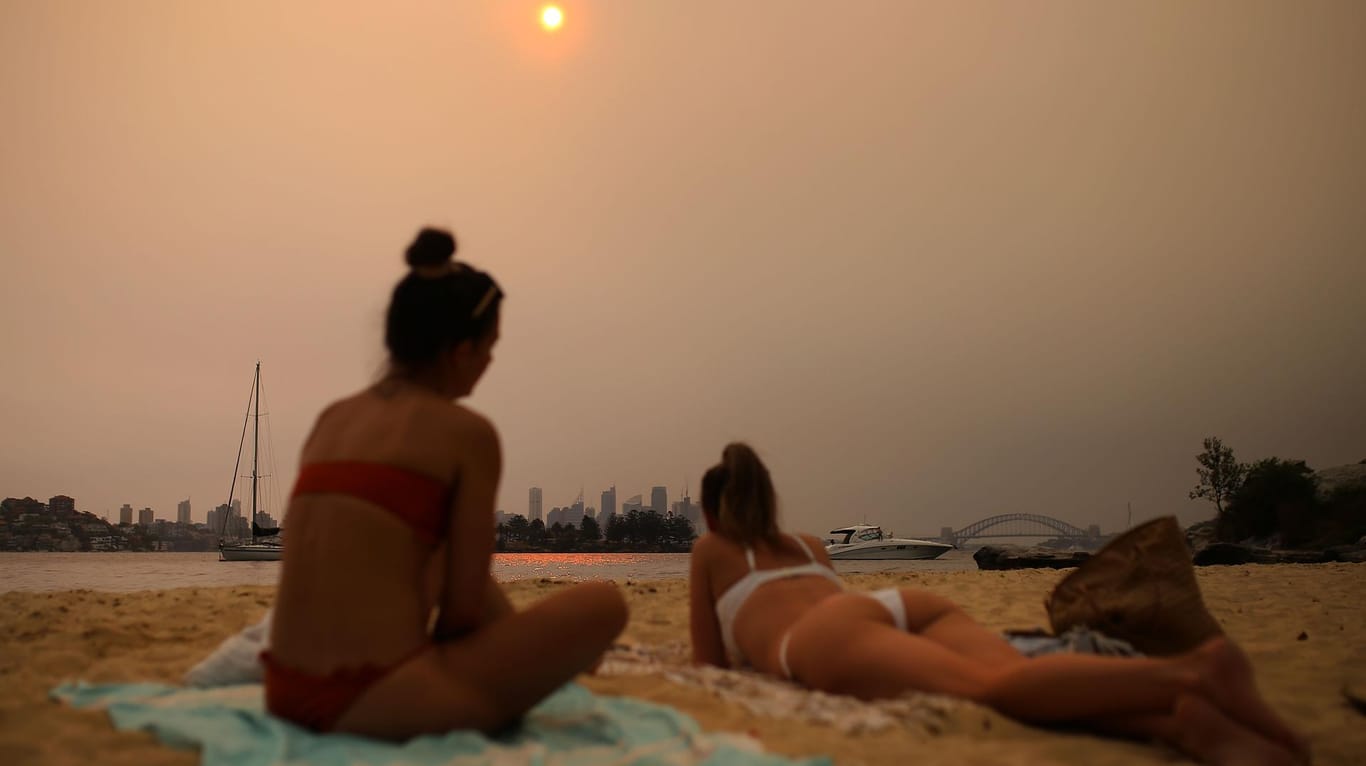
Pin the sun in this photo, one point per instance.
(551, 17)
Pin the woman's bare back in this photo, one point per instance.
(766, 616)
(356, 585)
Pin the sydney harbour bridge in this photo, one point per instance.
(1019, 525)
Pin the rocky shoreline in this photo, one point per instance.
(1006, 557)
(1231, 554)
(1018, 557)
(1344, 485)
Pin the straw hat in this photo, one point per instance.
(1140, 587)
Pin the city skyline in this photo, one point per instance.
(147, 515)
(656, 493)
(184, 508)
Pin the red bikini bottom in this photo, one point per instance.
(317, 702)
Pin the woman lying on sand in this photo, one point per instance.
(395, 482)
(772, 600)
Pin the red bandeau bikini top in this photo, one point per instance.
(417, 499)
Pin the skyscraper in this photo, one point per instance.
(609, 504)
(126, 514)
(182, 511)
(689, 511)
(146, 517)
(574, 513)
(659, 500)
(218, 518)
(533, 511)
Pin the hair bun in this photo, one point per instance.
(432, 247)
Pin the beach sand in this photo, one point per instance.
(1303, 626)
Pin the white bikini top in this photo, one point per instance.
(733, 600)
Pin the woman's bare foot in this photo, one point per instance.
(1230, 685)
(1213, 738)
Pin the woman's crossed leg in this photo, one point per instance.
(490, 677)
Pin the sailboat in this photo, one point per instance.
(265, 543)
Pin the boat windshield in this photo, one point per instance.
(855, 535)
(872, 533)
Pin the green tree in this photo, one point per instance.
(1276, 497)
(652, 527)
(616, 528)
(1220, 474)
(1344, 515)
(562, 536)
(678, 532)
(589, 531)
(517, 528)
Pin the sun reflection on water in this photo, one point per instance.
(590, 566)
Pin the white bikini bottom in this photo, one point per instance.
(888, 597)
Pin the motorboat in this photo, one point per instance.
(867, 542)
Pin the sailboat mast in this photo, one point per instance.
(255, 446)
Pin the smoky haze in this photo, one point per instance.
(935, 261)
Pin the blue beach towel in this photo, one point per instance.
(572, 727)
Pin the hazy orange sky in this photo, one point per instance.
(936, 261)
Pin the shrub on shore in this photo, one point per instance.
(1279, 501)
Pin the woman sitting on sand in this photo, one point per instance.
(392, 518)
(772, 600)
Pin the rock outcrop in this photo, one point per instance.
(1334, 477)
(1200, 535)
(1234, 553)
(1015, 557)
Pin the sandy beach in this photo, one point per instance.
(1303, 627)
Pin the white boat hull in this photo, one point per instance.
(918, 550)
(250, 552)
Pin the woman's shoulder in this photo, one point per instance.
(814, 545)
(365, 424)
(462, 435)
(707, 550)
(710, 545)
(419, 409)
(714, 546)
(330, 412)
(704, 542)
(469, 424)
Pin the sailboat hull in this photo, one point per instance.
(251, 552)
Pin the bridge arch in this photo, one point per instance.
(1020, 525)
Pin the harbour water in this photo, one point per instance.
(153, 571)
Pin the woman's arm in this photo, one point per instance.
(470, 536)
(707, 647)
(496, 604)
